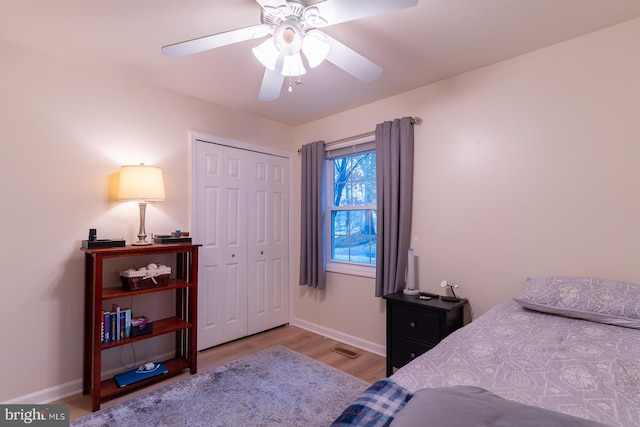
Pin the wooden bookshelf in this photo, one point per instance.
(182, 324)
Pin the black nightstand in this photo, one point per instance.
(415, 326)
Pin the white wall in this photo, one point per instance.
(527, 167)
(65, 131)
(523, 168)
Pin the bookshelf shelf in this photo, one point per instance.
(113, 293)
(183, 323)
(109, 389)
(160, 327)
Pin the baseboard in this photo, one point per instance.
(72, 388)
(49, 395)
(366, 345)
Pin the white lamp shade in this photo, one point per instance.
(293, 65)
(141, 182)
(267, 53)
(315, 48)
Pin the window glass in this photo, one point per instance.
(353, 208)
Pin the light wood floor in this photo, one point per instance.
(368, 367)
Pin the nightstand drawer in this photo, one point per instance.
(421, 326)
(404, 351)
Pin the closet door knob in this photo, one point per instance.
(261, 252)
(233, 255)
(412, 324)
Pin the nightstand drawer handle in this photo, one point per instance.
(413, 355)
(412, 324)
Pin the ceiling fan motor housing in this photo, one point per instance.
(273, 16)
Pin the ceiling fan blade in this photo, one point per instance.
(216, 40)
(272, 82)
(337, 11)
(352, 62)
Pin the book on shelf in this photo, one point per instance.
(114, 335)
(127, 323)
(116, 324)
(106, 325)
(116, 309)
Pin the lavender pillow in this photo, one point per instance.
(598, 300)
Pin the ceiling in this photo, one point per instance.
(417, 46)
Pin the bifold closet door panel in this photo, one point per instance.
(268, 304)
(221, 195)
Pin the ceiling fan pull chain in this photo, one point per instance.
(298, 82)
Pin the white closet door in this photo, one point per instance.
(268, 246)
(220, 204)
(241, 218)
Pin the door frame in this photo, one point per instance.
(194, 137)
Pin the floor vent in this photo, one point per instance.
(345, 352)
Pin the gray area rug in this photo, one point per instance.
(274, 387)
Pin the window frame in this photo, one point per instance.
(353, 147)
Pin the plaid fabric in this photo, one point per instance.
(378, 405)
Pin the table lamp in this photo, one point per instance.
(143, 183)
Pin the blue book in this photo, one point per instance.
(133, 376)
(127, 323)
(107, 327)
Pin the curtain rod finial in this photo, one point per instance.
(416, 121)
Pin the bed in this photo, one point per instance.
(567, 352)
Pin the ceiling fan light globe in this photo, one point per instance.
(267, 53)
(315, 48)
(288, 37)
(293, 66)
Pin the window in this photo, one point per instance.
(351, 210)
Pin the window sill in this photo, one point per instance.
(352, 269)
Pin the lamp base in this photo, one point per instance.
(410, 291)
(142, 234)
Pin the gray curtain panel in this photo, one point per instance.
(312, 252)
(394, 174)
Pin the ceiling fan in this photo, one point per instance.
(293, 27)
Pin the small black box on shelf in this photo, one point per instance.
(141, 325)
(103, 243)
(163, 239)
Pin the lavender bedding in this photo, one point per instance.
(577, 367)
